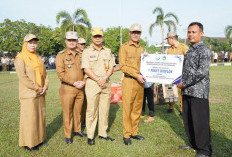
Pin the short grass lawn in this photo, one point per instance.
(163, 136)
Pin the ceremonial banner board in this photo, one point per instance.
(161, 68)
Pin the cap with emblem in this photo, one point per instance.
(97, 31)
(135, 27)
(81, 41)
(71, 35)
(171, 34)
(29, 37)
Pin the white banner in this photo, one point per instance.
(161, 68)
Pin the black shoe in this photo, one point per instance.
(83, 125)
(33, 149)
(201, 155)
(127, 141)
(138, 137)
(184, 147)
(169, 110)
(43, 144)
(106, 138)
(68, 140)
(181, 114)
(91, 141)
(81, 134)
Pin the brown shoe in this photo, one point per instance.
(149, 119)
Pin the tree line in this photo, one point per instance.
(51, 40)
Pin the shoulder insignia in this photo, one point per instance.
(61, 51)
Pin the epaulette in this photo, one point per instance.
(106, 48)
(126, 43)
(61, 51)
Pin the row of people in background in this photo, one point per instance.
(85, 73)
(221, 57)
(6, 63)
(50, 62)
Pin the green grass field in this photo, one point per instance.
(162, 135)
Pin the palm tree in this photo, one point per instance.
(162, 19)
(228, 31)
(79, 21)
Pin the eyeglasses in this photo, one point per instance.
(71, 40)
(135, 32)
(82, 44)
(97, 36)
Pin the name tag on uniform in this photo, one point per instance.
(92, 56)
(69, 59)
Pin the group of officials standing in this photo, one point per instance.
(85, 88)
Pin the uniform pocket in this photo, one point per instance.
(92, 61)
(106, 61)
(68, 64)
(132, 61)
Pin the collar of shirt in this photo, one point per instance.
(175, 46)
(197, 44)
(93, 48)
(133, 43)
(70, 52)
(79, 51)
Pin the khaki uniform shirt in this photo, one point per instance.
(129, 58)
(180, 49)
(68, 67)
(98, 62)
(27, 80)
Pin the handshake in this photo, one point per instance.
(41, 91)
(79, 84)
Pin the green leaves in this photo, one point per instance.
(162, 19)
(12, 34)
(228, 31)
(216, 45)
(78, 22)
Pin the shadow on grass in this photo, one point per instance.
(54, 126)
(112, 115)
(173, 119)
(221, 145)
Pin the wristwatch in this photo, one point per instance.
(106, 78)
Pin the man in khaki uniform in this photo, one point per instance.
(80, 48)
(132, 85)
(176, 48)
(68, 67)
(98, 64)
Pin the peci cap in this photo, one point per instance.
(171, 34)
(71, 35)
(135, 27)
(29, 37)
(97, 31)
(81, 41)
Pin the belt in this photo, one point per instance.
(67, 84)
(127, 76)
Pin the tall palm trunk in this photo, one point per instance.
(162, 28)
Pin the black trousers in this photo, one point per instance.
(196, 123)
(149, 97)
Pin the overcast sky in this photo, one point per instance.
(215, 15)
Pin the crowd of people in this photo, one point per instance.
(85, 89)
(6, 63)
(221, 57)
